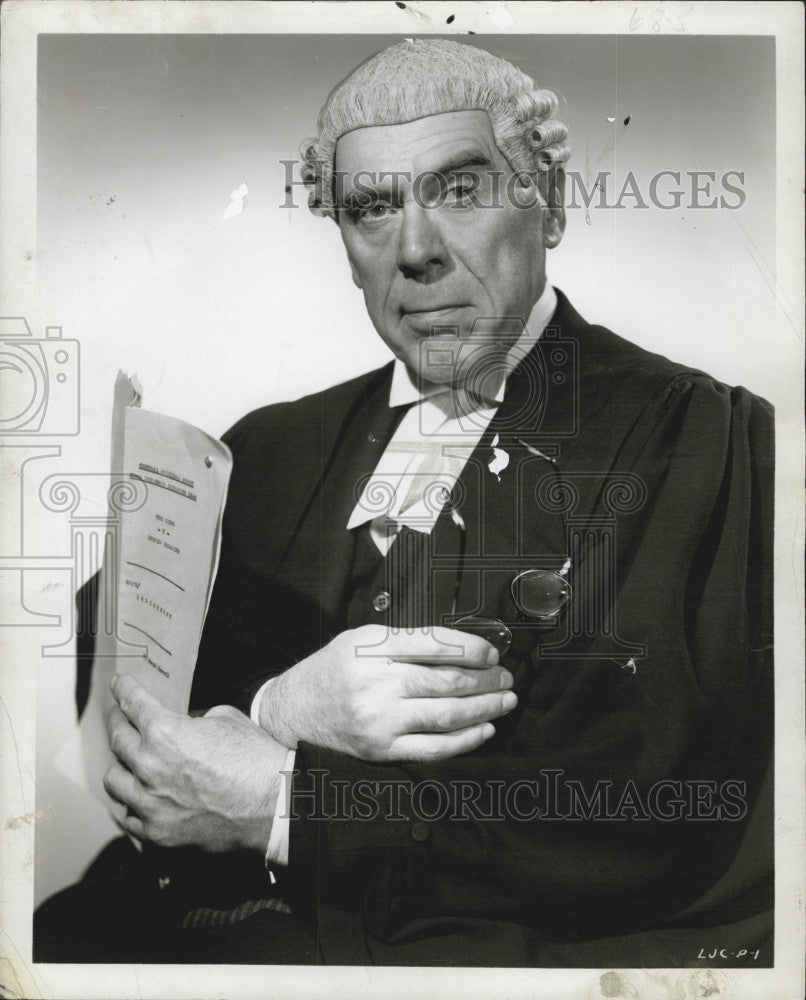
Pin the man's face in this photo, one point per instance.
(436, 254)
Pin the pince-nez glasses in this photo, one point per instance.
(538, 594)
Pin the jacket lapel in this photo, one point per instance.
(349, 432)
(320, 554)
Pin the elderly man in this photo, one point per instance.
(495, 619)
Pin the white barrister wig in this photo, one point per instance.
(428, 76)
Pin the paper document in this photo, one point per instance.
(169, 487)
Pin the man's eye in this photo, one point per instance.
(371, 213)
(461, 192)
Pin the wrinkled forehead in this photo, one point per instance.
(437, 142)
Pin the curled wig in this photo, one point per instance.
(428, 76)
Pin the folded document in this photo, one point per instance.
(169, 487)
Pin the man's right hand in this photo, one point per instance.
(384, 696)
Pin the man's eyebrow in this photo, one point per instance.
(464, 161)
(353, 200)
(368, 192)
(382, 188)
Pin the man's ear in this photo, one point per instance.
(552, 188)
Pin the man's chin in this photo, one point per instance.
(438, 360)
(436, 375)
(456, 362)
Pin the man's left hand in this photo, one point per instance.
(209, 782)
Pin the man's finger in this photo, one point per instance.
(124, 740)
(122, 786)
(445, 715)
(139, 706)
(132, 824)
(450, 681)
(443, 645)
(423, 748)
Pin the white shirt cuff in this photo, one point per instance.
(254, 710)
(277, 851)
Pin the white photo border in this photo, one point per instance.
(22, 21)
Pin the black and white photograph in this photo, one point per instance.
(402, 460)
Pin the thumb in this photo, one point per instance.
(136, 702)
(223, 712)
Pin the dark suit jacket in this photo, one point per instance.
(663, 499)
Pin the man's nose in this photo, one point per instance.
(421, 252)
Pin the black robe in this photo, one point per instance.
(658, 671)
(644, 727)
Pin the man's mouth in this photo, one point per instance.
(448, 307)
(436, 320)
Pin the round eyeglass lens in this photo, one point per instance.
(540, 593)
(491, 629)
